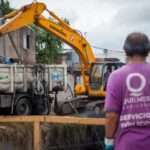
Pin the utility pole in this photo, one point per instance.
(1, 22)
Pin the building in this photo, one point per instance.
(19, 45)
(69, 57)
(112, 54)
(116, 54)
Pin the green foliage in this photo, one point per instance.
(5, 7)
(47, 46)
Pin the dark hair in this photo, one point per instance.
(137, 44)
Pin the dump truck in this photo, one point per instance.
(30, 89)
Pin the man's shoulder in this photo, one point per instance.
(126, 69)
(120, 71)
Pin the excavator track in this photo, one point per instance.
(82, 106)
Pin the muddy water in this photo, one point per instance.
(11, 146)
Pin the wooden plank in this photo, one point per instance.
(75, 120)
(54, 119)
(21, 119)
(37, 136)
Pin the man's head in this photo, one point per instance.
(137, 44)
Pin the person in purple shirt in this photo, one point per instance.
(127, 103)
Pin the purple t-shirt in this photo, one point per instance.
(128, 94)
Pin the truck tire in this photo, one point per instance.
(23, 106)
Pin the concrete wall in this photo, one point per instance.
(27, 54)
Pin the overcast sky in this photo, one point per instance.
(105, 22)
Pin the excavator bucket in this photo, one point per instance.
(22, 17)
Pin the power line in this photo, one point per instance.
(107, 49)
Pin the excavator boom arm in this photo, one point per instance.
(72, 38)
(22, 17)
(32, 13)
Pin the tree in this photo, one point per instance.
(48, 46)
(5, 7)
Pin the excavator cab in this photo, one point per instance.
(99, 74)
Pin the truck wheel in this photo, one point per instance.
(23, 106)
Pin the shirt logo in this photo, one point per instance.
(136, 91)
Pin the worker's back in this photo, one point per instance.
(132, 91)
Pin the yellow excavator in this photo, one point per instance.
(93, 73)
